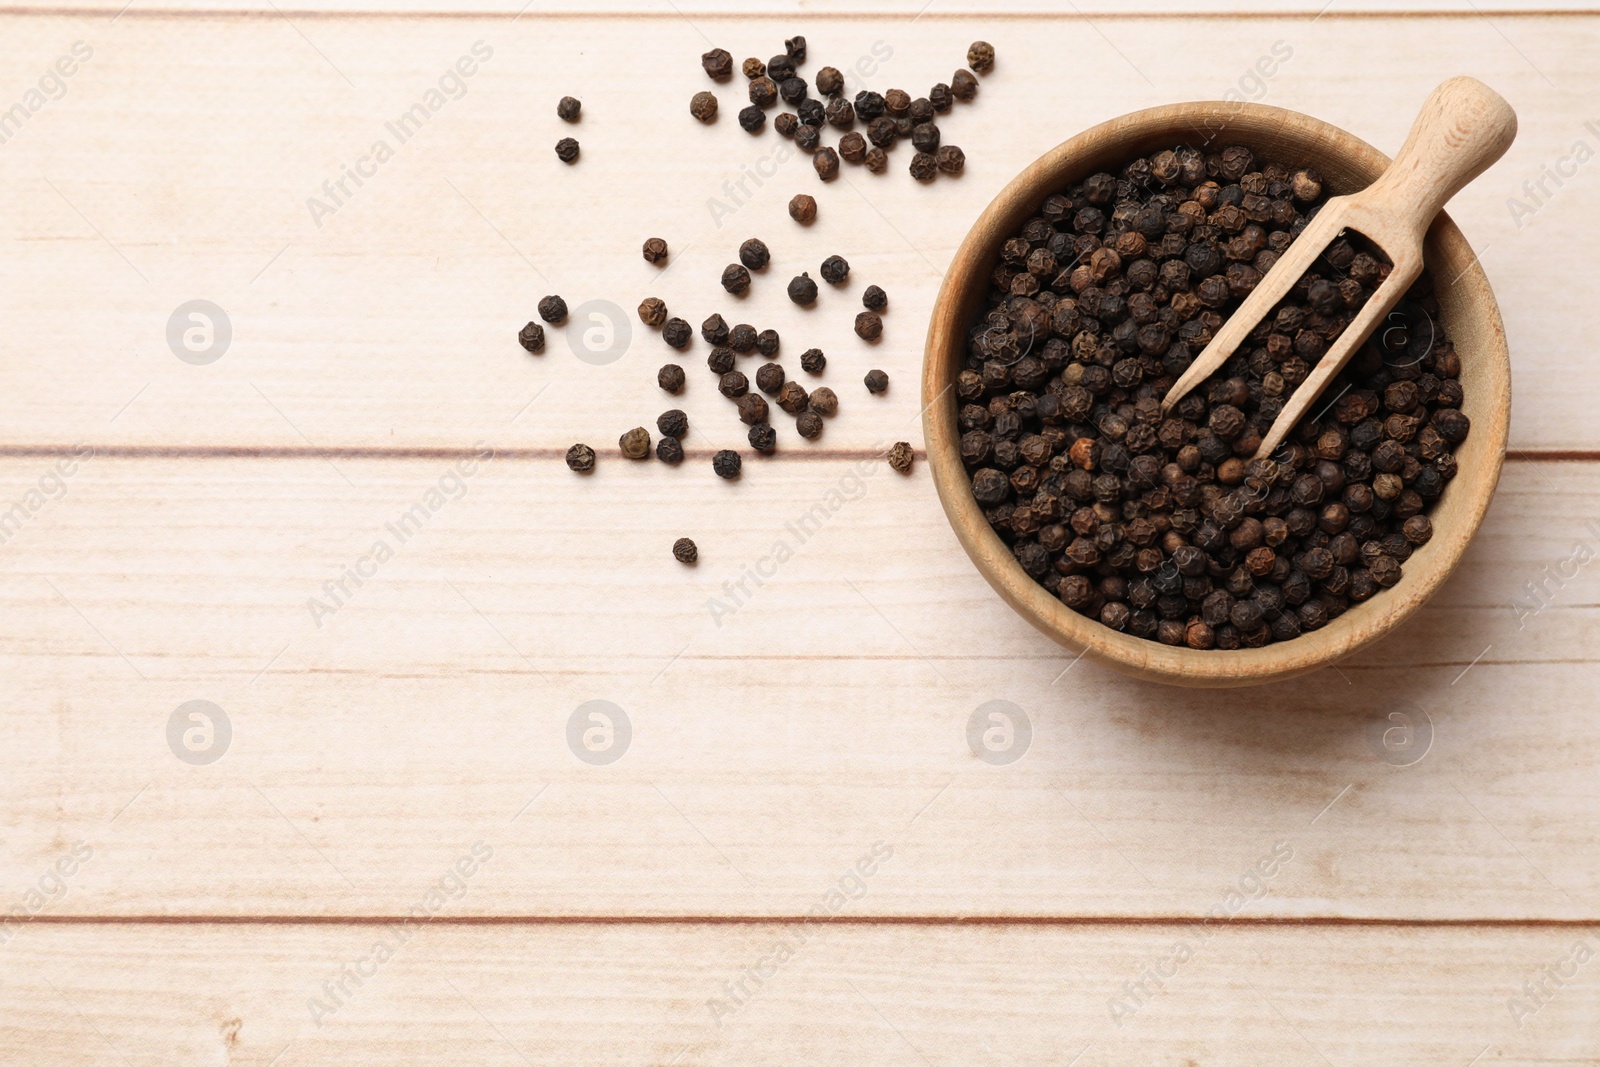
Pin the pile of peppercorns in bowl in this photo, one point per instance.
(1051, 356)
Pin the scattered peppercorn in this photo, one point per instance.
(752, 118)
(669, 450)
(793, 90)
(655, 250)
(780, 68)
(531, 337)
(963, 86)
(808, 424)
(769, 378)
(568, 108)
(753, 254)
(742, 338)
(900, 455)
(807, 137)
(874, 298)
(652, 311)
(552, 309)
(763, 92)
(703, 106)
(950, 159)
(826, 163)
(762, 437)
(671, 378)
(677, 333)
(877, 160)
(803, 291)
(767, 343)
(876, 381)
(635, 444)
(869, 105)
(733, 385)
(672, 423)
(980, 57)
(869, 327)
(793, 397)
(720, 361)
(811, 113)
(726, 463)
(753, 68)
(835, 270)
(567, 149)
(925, 137)
(830, 82)
(752, 408)
(939, 96)
(580, 458)
(840, 114)
(795, 48)
(714, 329)
(924, 167)
(786, 123)
(736, 279)
(803, 209)
(812, 361)
(685, 551)
(920, 112)
(853, 148)
(718, 64)
(824, 401)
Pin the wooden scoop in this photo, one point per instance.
(1462, 128)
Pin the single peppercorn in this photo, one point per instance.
(763, 92)
(811, 113)
(733, 385)
(824, 401)
(714, 329)
(877, 160)
(874, 298)
(677, 333)
(803, 291)
(762, 437)
(853, 148)
(655, 250)
(769, 378)
(807, 137)
(835, 270)
(685, 551)
(950, 159)
(924, 167)
(925, 137)
(900, 456)
(803, 209)
(531, 337)
(726, 463)
(752, 118)
(980, 57)
(786, 123)
(881, 132)
(793, 397)
(876, 381)
(840, 114)
(826, 164)
(963, 86)
(869, 105)
(920, 112)
(635, 444)
(752, 408)
(703, 106)
(767, 343)
(780, 68)
(753, 68)
(940, 97)
(671, 378)
(580, 458)
(552, 309)
(742, 338)
(652, 311)
(792, 90)
(736, 279)
(795, 48)
(718, 64)
(869, 327)
(568, 108)
(812, 361)
(672, 423)
(830, 81)
(753, 254)
(567, 149)
(896, 102)
(669, 450)
(808, 424)
(720, 361)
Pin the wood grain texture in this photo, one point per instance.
(392, 324)
(777, 731)
(629, 995)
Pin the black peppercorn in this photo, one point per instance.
(963, 86)
(780, 68)
(924, 167)
(795, 48)
(803, 209)
(830, 81)
(762, 437)
(769, 378)
(752, 408)
(812, 361)
(567, 108)
(671, 378)
(869, 105)
(808, 424)
(980, 57)
(869, 327)
(685, 550)
(840, 114)
(567, 149)
(876, 381)
(669, 450)
(733, 385)
(852, 148)
(803, 290)
(714, 330)
(900, 456)
(792, 90)
(940, 97)
(812, 113)
(652, 311)
(580, 458)
(635, 444)
(874, 298)
(925, 137)
(736, 279)
(753, 254)
(763, 92)
(835, 270)
(950, 159)
(552, 309)
(726, 463)
(718, 64)
(720, 360)
(703, 106)
(877, 160)
(752, 118)
(655, 250)
(767, 343)
(531, 337)
(807, 137)
(824, 401)
(672, 423)
(753, 68)
(677, 333)
(881, 132)
(793, 397)
(826, 164)
(742, 338)
(896, 102)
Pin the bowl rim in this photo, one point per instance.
(1469, 492)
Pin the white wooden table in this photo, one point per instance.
(1097, 901)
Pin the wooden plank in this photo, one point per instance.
(608, 994)
(774, 733)
(391, 323)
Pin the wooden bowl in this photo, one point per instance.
(1469, 317)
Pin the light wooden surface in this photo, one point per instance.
(775, 740)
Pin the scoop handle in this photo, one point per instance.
(1463, 127)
